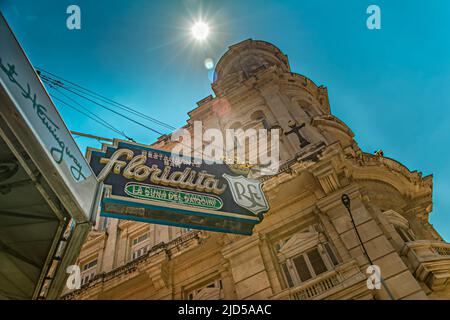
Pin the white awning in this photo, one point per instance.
(45, 183)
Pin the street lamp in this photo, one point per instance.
(346, 202)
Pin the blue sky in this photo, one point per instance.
(391, 86)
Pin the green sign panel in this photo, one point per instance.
(142, 191)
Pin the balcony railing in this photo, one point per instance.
(315, 289)
(326, 284)
(429, 261)
(443, 250)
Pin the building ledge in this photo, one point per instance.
(430, 262)
(134, 267)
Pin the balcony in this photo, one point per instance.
(152, 261)
(429, 261)
(344, 282)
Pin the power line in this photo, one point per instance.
(103, 123)
(108, 100)
(96, 116)
(109, 109)
(56, 84)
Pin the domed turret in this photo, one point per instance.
(245, 59)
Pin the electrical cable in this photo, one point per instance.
(107, 125)
(55, 84)
(113, 111)
(95, 115)
(108, 100)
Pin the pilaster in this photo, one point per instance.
(247, 268)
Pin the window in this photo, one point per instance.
(246, 144)
(88, 271)
(259, 118)
(141, 244)
(85, 279)
(89, 265)
(400, 224)
(287, 275)
(308, 265)
(305, 255)
(302, 268)
(177, 232)
(316, 261)
(210, 291)
(308, 108)
(139, 252)
(140, 239)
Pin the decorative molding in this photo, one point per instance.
(429, 262)
(298, 243)
(241, 245)
(396, 219)
(331, 121)
(157, 270)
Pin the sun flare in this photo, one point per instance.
(200, 30)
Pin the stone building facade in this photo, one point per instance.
(306, 247)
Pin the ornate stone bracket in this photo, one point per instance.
(158, 271)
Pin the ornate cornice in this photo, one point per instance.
(388, 171)
(331, 121)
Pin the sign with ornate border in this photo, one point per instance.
(148, 185)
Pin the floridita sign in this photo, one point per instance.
(148, 185)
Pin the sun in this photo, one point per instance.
(200, 30)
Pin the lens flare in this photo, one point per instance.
(200, 30)
(209, 63)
